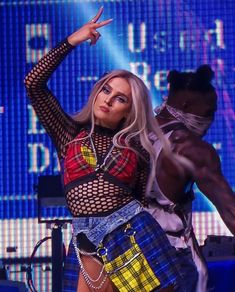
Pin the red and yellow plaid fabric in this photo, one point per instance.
(76, 162)
(80, 161)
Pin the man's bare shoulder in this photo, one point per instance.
(193, 147)
(184, 136)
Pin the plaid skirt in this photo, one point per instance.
(154, 246)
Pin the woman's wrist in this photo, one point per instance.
(71, 44)
(73, 40)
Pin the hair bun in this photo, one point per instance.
(205, 73)
(172, 76)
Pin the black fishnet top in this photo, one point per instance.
(89, 191)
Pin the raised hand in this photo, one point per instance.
(89, 30)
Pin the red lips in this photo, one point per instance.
(104, 109)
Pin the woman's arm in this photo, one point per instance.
(59, 125)
(56, 122)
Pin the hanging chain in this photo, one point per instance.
(89, 280)
(86, 276)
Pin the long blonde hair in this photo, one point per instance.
(139, 122)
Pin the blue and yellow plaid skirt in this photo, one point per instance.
(150, 242)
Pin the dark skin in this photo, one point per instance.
(207, 173)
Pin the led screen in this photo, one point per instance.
(147, 37)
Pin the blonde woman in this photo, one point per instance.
(105, 154)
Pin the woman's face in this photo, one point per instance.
(113, 103)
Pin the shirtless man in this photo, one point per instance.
(185, 117)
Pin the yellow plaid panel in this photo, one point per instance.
(89, 156)
(131, 272)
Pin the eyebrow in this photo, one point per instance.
(118, 92)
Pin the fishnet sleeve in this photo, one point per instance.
(59, 125)
(141, 182)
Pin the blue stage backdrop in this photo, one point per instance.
(148, 37)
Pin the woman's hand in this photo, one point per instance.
(88, 31)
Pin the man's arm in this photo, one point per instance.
(211, 182)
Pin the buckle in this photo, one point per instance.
(129, 231)
(101, 251)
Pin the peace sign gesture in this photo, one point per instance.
(89, 30)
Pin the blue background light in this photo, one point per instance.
(147, 37)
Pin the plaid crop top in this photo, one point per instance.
(98, 177)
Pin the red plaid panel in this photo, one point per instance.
(125, 165)
(75, 163)
(80, 161)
